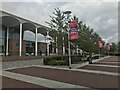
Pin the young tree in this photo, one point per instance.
(58, 26)
(88, 39)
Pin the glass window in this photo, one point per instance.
(14, 33)
(0, 49)
(17, 45)
(2, 33)
(1, 41)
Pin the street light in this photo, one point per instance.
(52, 41)
(68, 15)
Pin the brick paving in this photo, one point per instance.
(12, 83)
(112, 61)
(99, 68)
(73, 77)
(92, 80)
(115, 64)
(114, 58)
(17, 64)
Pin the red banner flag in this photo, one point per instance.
(100, 43)
(73, 30)
(108, 47)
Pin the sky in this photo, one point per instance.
(101, 15)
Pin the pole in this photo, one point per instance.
(20, 49)
(68, 14)
(69, 47)
(36, 42)
(69, 50)
(56, 46)
(108, 52)
(99, 52)
(48, 44)
(63, 46)
(7, 41)
(77, 50)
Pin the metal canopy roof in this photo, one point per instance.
(10, 20)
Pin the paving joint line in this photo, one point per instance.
(103, 65)
(82, 70)
(41, 81)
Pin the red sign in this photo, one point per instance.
(100, 43)
(73, 30)
(108, 47)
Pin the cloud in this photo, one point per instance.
(113, 38)
(99, 15)
(39, 1)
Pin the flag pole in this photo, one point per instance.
(68, 14)
(69, 51)
(99, 52)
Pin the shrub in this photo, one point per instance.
(46, 60)
(95, 57)
(84, 59)
(52, 62)
(58, 60)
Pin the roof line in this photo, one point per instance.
(23, 18)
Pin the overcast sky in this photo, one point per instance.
(100, 15)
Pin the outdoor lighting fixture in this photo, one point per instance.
(68, 14)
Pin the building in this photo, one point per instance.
(12, 29)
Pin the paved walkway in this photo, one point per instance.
(82, 70)
(103, 65)
(89, 76)
(19, 64)
(11, 84)
(75, 66)
(39, 81)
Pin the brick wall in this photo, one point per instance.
(14, 47)
(42, 47)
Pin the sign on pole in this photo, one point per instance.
(100, 43)
(108, 47)
(73, 30)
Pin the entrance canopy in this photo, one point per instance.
(10, 20)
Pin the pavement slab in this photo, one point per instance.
(115, 64)
(13, 83)
(111, 59)
(73, 77)
(104, 65)
(101, 68)
(102, 75)
(40, 81)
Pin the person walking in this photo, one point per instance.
(90, 58)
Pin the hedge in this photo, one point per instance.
(58, 59)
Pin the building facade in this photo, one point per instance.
(12, 30)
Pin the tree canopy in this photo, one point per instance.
(88, 38)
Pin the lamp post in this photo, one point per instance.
(52, 40)
(68, 15)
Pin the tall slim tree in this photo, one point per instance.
(57, 23)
